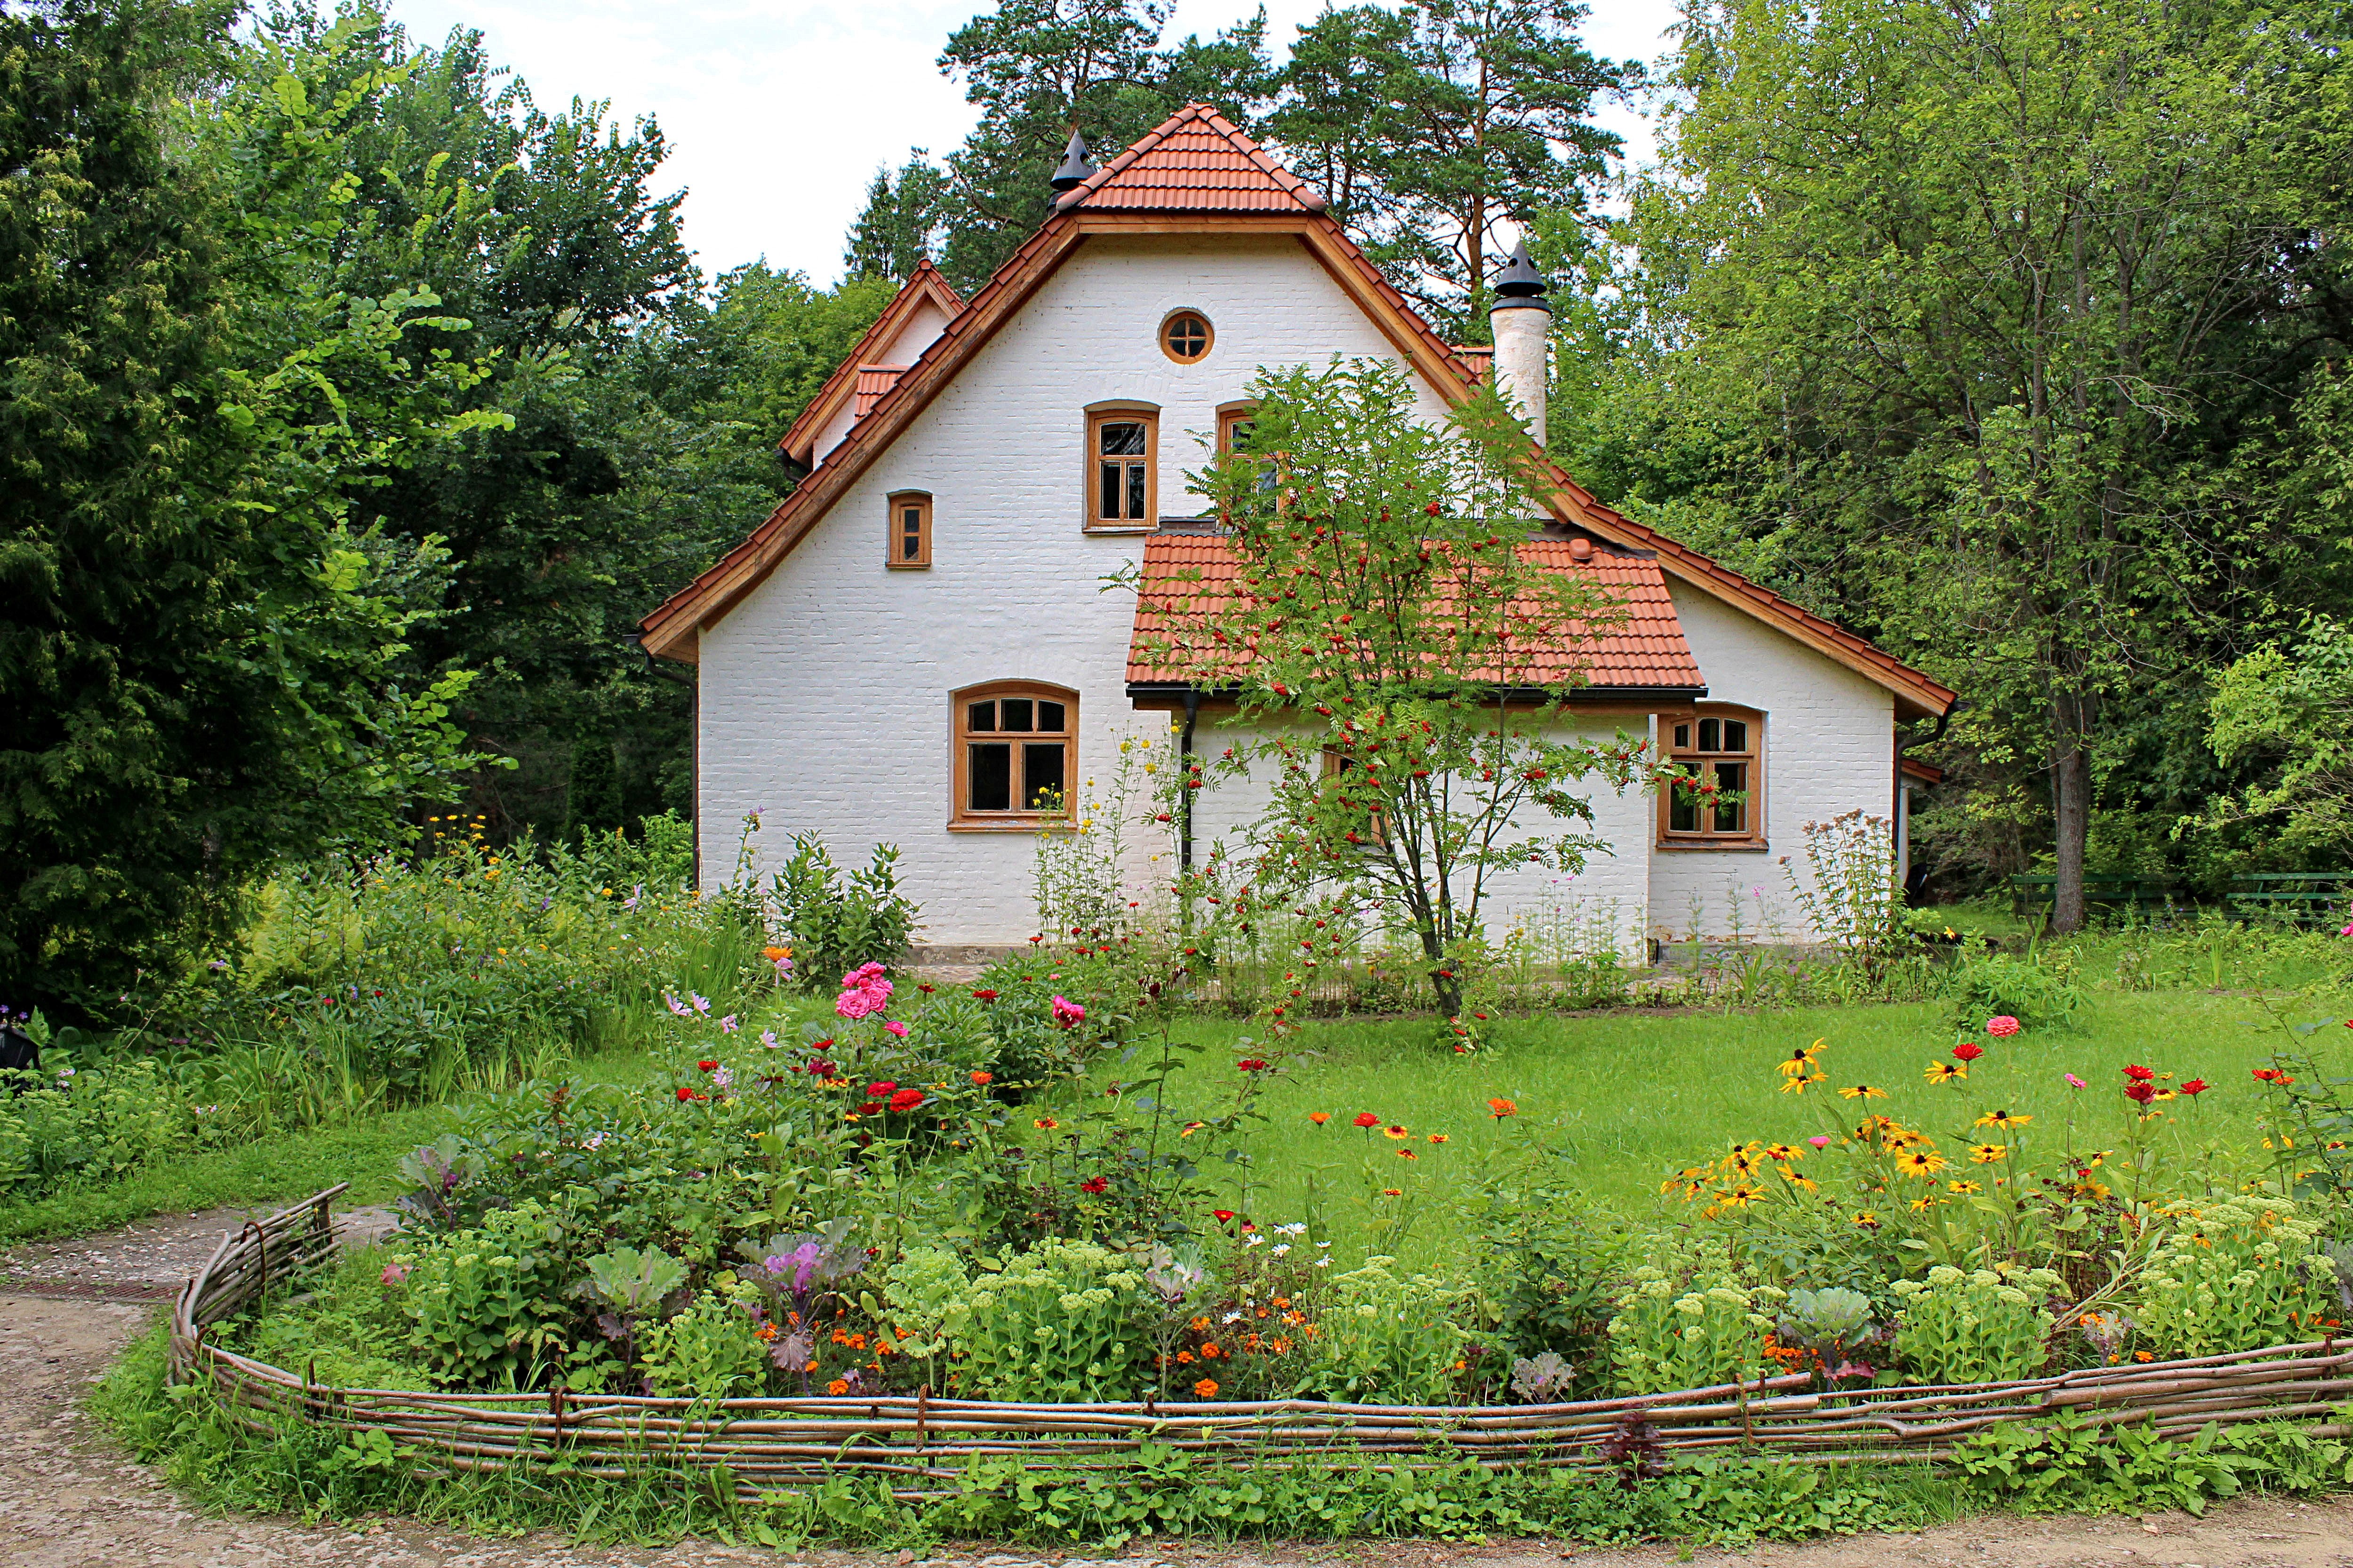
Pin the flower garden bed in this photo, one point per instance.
(921, 1444)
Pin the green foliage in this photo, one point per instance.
(1057, 1321)
(1550, 1261)
(711, 1351)
(486, 1306)
(833, 923)
(2072, 1464)
(84, 1126)
(2299, 708)
(2234, 1274)
(2042, 989)
(1689, 1329)
(1386, 1338)
(1978, 1325)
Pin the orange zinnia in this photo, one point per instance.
(1319, 1117)
(1206, 1389)
(1503, 1107)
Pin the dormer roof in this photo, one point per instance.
(925, 286)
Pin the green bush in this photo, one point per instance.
(713, 1349)
(2045, 991)
(488, 1306)
(1385, 1338)
(1678, 1330)
(78, 1125)
(1057, 1321)
(1551, 1262)
(1980, 1325)
(835, 923)
(2235, 1275)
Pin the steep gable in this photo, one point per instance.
(911, 323)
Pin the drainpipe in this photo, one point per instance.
(1185, 795)
(1903, 815)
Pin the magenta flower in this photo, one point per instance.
(1819, 1141)
(864, 992)
(2075, 1082)
(1068, 1014)
(727, 1024)
(2001, 1025)
(896, 1027)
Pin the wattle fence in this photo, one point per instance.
(921, 1444)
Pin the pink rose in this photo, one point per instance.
(1068, 1012)
(854, 1005)
(896, 1027)
(2001, 1026)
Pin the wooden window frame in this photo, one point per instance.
(1752, 834)
(894, 534)
(1208, 334)
(961, 817)
(1230, 415)
(1098, 415)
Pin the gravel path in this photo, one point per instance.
(69, 1499)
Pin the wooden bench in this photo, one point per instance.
(2308, 898)
(2028, 893)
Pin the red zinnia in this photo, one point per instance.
(707, 1067)
(1095, 1184)
(2139, 1073)
(2141, 1093)
(1221, 1216)
(907, 1100)
(983, 1077)
(1251, 1064)
(2267, 1075)
(2196, 1086)
(880, 1090)
(685, 1093)
(1967, 1051)
(984, 995)
(1366, 1118)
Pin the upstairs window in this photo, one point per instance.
(1016, 755)
(910, 544)
(1720, 799)
(1123, 487)
(1235, 424)
(1186, 337)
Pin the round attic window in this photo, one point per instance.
(1184, 337)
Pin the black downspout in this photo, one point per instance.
(1902, 823)
(1184, 786)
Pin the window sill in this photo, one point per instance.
(906, 565)
(1023, 824)
(1120, 527)
(1727, 846)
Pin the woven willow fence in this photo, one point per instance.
(921, 1444)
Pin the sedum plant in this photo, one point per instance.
(1978, 1325)
(1390, 1339)
(486, 1306)
(711, 1351)
(2235, 1275)
(1058, 1322)
(1671, 1334)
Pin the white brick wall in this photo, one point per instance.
(825, 693)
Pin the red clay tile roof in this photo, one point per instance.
(925, 284)
(874, 381)
(1188, 577)
(1198, 161)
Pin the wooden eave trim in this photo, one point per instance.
(843, 384)
(721, 589)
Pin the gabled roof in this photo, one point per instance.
(1187, 579)
(1198, 172)
(874, 381)
(925, 286)
(1198, 161)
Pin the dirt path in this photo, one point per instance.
(69, 1499)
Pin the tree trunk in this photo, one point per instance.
(2071, 798)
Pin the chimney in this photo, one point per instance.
(1520, 322)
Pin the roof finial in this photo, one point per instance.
(1075, 170)
(1520, 279)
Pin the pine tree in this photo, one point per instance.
(900, 225)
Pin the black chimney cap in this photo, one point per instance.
(1520, 279)
(1075, 170)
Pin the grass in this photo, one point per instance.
(1630, 1099)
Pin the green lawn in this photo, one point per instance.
(1633, 1098)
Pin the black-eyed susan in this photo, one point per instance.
(1802, 1062)
(1782, 1153)
(1866, 1218)
(2003, 1119)
(1986, 1153)
(1967, 1189)
(1922, 1163)
(1799, 1085)
(1862, 1091)
(1803, 1184)
(1946, 1073)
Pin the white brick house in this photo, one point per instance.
(977, 468)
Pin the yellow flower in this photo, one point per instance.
(1946, 1073)
(1964, 1188)
(1782, 1153)
(1921, 1163)
(1986, 1153)
(2003, 1119)
(1801, 1063)
(1865, 1217)
(1803, 1184)
(1923, 1205)
(1799, 1085)
(1862, 1091)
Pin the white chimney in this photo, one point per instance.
(1521, 322)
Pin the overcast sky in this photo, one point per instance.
(777, 114)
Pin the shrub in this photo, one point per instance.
(486, 1306)
(89, 1124)
(1694, 1331)
(835, 923)
(2041, 992)
(1980, 1325)
(711, 1351)
(1552, 1263)
(2235, 1275)
(1390, 1339)
(1058, 1322)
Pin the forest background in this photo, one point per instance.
(357, 406)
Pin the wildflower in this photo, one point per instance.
(1207, 1388)
(1392, 1193)
(773, 954)
(984, 995)
(1408, 1154)
(1045, 1123)
(2196, 1086)
(1801, 1061)
(2001, 1025)
(1097, 1184)
(2140, 1074)
(1921, 1163)
(837, 1387)
(706, 1067)
(1865, 1219)
(1438, 1137)
(2141, 1093)
(1068, 1014)
(1986, 1153)
(1967, 1051)
(2273, 1075)
(728, 1025)
(1319, 1117)
(907, 1100)
(1395, 1132)
(1781, 1153)
(882, 1090)
(722, 1081)
(394, 1273)
(1366, 1118)
(983, 1077)
(1819, 1140)
(1862, 1091)
(1799, 1085)
(1250, 1064)
(2075, 1082)
(1503, 1107)
(2003, 1119)
(685, 1094)
(768, 1038)
(1221, 1216)
(1946, 1073)
(896, 1027)
(702, 1004)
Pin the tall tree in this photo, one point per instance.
(1435, 125)
(1042, 70)
(1978, 287)
(901, 223)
